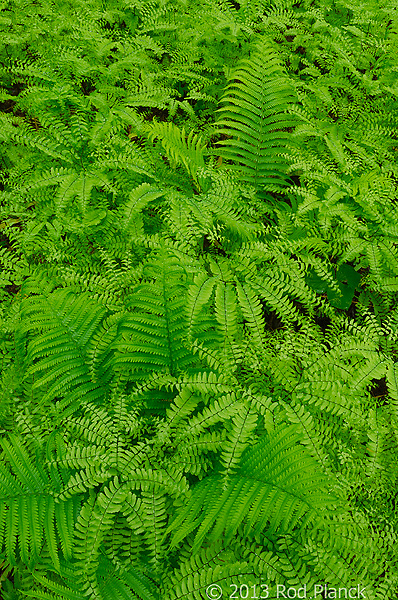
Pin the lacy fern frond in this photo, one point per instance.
(29, 512)
(154, 329)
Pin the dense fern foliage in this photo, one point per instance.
(198, 299)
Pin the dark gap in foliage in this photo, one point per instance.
(323, 322)
(87, 86)
(352, 311)
(12, 289)
(7, 105)
(273, 321)
(378, 388)
(149, 114)
(5, 241)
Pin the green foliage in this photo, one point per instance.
(198, 305)
(271, 491)
(255, 118)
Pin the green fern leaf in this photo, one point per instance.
(239, 437)
(59, 353)
(154, 331)
(28, 511)
(95, 518)
(278, 487)
(252, 312)
(139, 198)
(254, 117)
(180, 149)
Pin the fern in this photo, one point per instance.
(198, 308)
(188, 151)
(29, 492)
(156, 306)
(253, 118)
(269, 497)
(60, 352)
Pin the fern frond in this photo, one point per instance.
(278, 486)
(254, 118)
(199, 293)
(209, 571)
(225, 310)
(239, 437)
(138, 199)
(28, 509)
(59, 353)
(180, 149)
(93, 522)
(252, 312)
(154, 330)
(52, 590)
